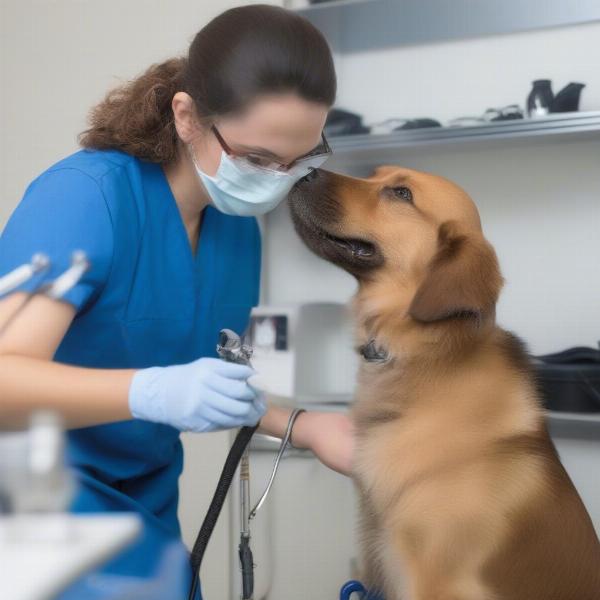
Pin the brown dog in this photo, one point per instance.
(463, 496)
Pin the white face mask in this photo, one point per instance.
(238, 188)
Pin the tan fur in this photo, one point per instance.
(462, 495)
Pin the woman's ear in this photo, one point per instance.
(184, 116)
(463, 279)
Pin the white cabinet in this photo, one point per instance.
(303, 538)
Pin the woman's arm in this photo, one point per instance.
(203, 395)
(329, 435)
(30, 380)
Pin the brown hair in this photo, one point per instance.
(241, 54)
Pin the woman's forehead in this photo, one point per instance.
(280, 123)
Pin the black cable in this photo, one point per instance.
(214, 510)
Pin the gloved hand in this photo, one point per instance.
(205, 395)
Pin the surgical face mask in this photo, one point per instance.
(238, 188)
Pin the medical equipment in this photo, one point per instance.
(231, 348)
(22, 274)
(33, 476)
(284, 443)
(283, 340)
(55, 289)
(69, 279)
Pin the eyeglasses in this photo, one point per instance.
(313, 159)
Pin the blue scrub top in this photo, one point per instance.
(147, 300)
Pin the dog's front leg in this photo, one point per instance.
(370, 565)
(443, 577)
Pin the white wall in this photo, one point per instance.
(57, 59)
(465, 77)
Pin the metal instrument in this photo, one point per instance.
(15, 279)
(55, 289)
(231, 349)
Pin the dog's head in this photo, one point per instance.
(413, 241)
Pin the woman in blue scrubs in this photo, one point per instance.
(162, 198)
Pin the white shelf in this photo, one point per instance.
(574, 425)
(577, 125)
(356, 25)
(569, 417)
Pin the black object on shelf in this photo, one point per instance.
(570, 380)
(506, 113)
(418, 124)
(343, 122)
(567, 100)
(540, 98)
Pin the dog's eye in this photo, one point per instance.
(403, 193)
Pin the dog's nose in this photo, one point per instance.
(314, 173)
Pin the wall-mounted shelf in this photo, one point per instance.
(354, 25)
(574, 425)
(579, 124)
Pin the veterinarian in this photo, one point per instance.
(162, 198)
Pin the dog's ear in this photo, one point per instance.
(463, 279)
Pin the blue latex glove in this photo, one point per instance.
(207, 394)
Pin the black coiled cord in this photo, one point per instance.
(214, 510)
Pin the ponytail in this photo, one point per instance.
(137, 117)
